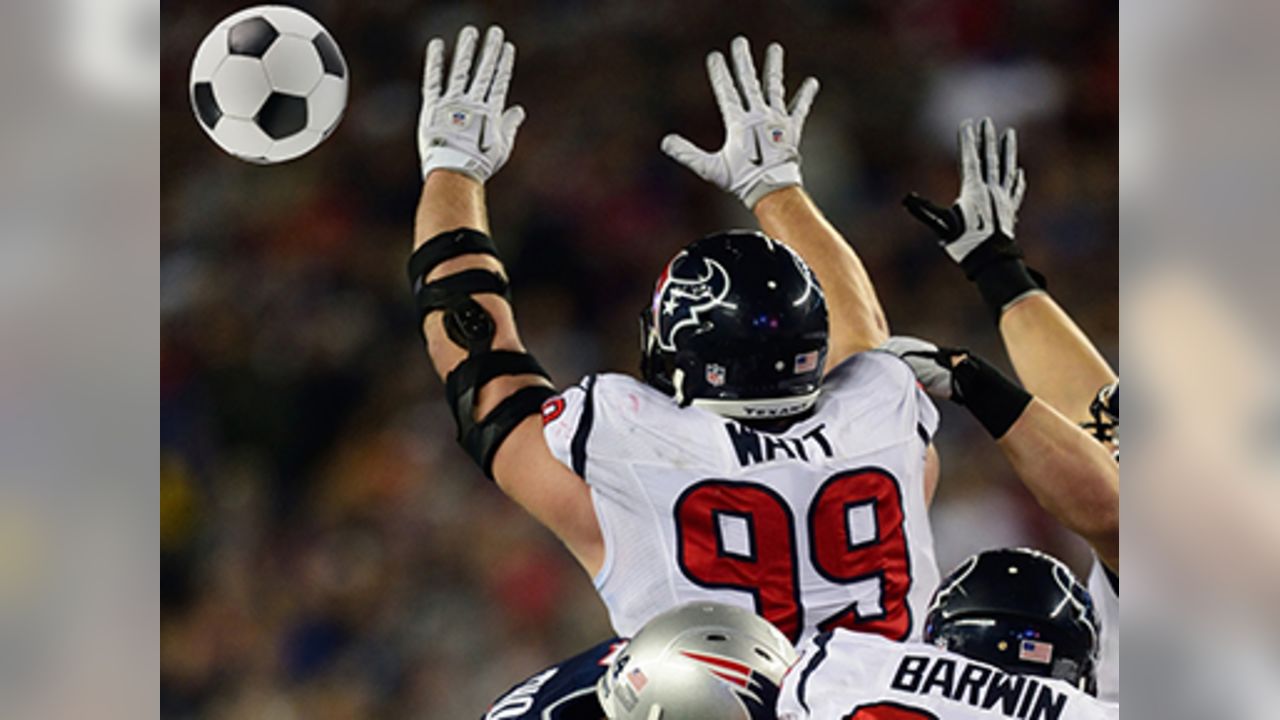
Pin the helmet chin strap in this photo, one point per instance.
(756, 409)
(677, 379)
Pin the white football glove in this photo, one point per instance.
(465, 128)
(922, 356)
(991, 190)
(762, 134)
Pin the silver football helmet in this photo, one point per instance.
(703, 661)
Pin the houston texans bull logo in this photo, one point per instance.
(686, 288)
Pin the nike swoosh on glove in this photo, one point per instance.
(991, 191)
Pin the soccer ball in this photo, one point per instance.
(268, 84)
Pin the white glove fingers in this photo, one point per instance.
(722, 85)
(511, 121)
(802, 102)
(483, 79)
(502, 77)
(760, 151)
(970, 171)
(1019, 189)
(919, 355)
(990, 152)
(745, 68)
(773, 77)
(433, 69)
(463, 53)
(1009, 168)
(691, 156)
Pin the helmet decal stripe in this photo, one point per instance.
(735, 679)
(720, 662)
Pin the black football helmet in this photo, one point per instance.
(1020, 610)
(738, 325)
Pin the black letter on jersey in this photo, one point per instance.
(1032, 687)
(972, 679)
(1004, 689)
(746, 443)
(942, 676)
(910, 669)
(772, 445)
(1049, 704)
(817, 436)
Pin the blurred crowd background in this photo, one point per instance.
(326, 549)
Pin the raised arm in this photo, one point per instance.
(857, 321)
(760, 164)
(495, 388)
(1053, 358)
(1073, 477)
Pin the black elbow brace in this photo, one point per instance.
(472, 328)
(482, 439)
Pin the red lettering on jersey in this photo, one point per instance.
(856, 534)
(766, 567)
(869, 496)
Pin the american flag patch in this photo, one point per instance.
(1036, 651)
(637, 679)
(806, 362)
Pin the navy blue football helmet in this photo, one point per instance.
(1020, 610)
(738, 325)
(1105, 410)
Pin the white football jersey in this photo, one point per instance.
(1106, 600)
(855, 676)
(821, 526)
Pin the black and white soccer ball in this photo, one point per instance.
(269, 84)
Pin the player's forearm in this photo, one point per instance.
(856, 318)
(1070, 474)
(450, 200)
(1053, 357)
(760, 164)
